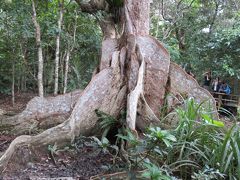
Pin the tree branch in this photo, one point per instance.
(214, 16)
(92, 6)
(187, 7)
(162, 13)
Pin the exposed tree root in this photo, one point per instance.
(107, 92)
(101, 93)
(42, 112)
(182, 84)
(157, 69)
(133, 98)
(146, 116)
(56, 134)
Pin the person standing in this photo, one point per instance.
(207, 80)
(216, 85)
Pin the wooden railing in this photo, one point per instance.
(226, 100)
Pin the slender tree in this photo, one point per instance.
(68, 53)
(60, 3)
(40, 52)
(13, 83)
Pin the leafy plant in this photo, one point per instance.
(131, 139)
(156, 135)
(198, 147)
(103, 144)
(154, 173)
(54, 150)
(106, 122)
(227, 156)
(198, 136)
(111, 124)
(208, 119)
(208, 173)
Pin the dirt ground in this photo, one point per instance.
(20, 102)
(79, 162)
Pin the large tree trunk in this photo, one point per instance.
(40, 53)
(134, 74)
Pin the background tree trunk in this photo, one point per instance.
(66, 71)
(13, 83)
(61, 2)
(40, 53)
(68, 54)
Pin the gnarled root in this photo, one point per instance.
(147, 96)
(107, 92)
(183, 84)
(42, 112)
(104, 92)
(59, 133)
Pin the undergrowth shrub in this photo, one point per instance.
(197, 148)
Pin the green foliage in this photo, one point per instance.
(108, 123)
(210, 40)
(223, 50)
(154, 173)
(141, 152)
(227, 156)
(202, 143)
(198, 147)
(208, 119)
(207, 173)
(130, 138)
(104, 143)
(156, 135)
(18, 46)
(198, 138)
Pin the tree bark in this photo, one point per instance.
(134, 74)
(137, 17)
(69, 50)
(66, 72)
(214, 17)
(41, 113)
(61, 2)
(40, 53)
(13, 83)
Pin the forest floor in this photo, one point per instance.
(21, 101)
(81, 161)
